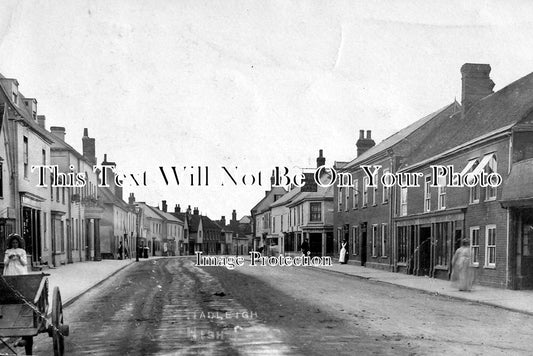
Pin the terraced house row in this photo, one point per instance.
(63, 224)
(415, 230)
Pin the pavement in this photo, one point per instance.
(515, 300)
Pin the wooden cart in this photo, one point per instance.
(24, 310)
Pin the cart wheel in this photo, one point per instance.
(59, 330)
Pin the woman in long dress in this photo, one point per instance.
(462, 272)
(342, 253)
(15, 261)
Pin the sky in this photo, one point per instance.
(247, 85)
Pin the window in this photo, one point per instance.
(474, 245)
(490, 246)
(339, 200)
(346, 198)
(427, 194)
(490, 193)
(365, 191)
(403, 201)
(375, 195)
(355, 200)
(374, 240)
(273, 224)
(384, 240)
(316, 211)
(355, 241)
(442, 193)
(386, 189)
(15, 98)
(25, 155)
(475, 190)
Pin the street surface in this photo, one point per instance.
(170, 307)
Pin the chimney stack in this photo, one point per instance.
(234, 216)
(164, 206)
(223, 221)
(131, 199)
(320, 160)
(58, 132)
(89, 150)
(177, 208)
(41, 120)
(364, 143)
(188, 209)
(476, 84)
(196, 211)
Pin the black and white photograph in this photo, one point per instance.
(298, 177)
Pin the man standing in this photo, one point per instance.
(305, 247)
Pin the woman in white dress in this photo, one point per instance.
(342, 253)
(15, 262)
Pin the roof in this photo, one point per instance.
(110, 198)
(264, 204)
(149, 212)
(499, 110)
(166, 215)
(287, 198)
(405, 133)
(321, 193)
(26, 116)
(208, 223)
(518, 187)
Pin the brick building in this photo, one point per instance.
(488, 132)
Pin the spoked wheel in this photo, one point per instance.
(59, 330)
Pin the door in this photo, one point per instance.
(363, 243)
(424, 251)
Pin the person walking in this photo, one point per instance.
(343, 254)
(15, 260)
(462, 272)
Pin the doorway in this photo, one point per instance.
(424, 251)
(363, 243)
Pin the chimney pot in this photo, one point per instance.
(320, 161)
(369, 134)
(476, 83)
(361, 134)
(41, 119)
(364, 144)
(58, 131)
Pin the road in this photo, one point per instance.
(171, 307)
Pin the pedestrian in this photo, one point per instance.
(305, 247)
(120, 250)
(15, 261)
(343, 254)
(462, 272)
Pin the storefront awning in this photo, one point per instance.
(518, 187)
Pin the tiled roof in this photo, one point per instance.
(209, 224)
(496, 111)
(264, 204)
(406, 134)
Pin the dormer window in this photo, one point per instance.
(15, 98)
